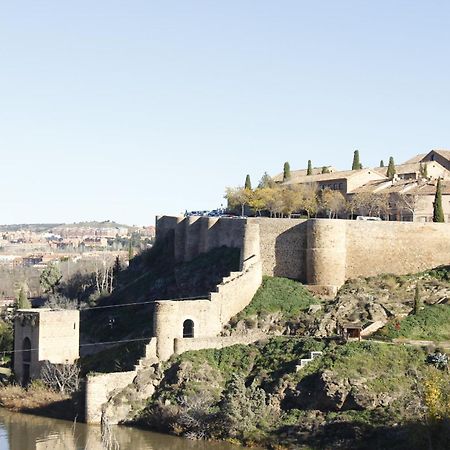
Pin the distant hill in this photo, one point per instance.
(35, 227)
(42, 227)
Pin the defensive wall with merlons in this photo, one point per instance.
(321, 253)
(318, 252)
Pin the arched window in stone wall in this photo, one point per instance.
(26, 360)
(188, 328)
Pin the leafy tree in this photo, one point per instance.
(274, 201)
(6, 336)
(381, 163)
(238, 197)
(22, 300)
(265, 181)
(356, 163)
(291, 200)
(308, 195)
(325, 169)
(258, 199)
(309, 170)
(438, 212)
(417, 300)
(286, 171)
(248, 183)
(244, 409)
(391, 168)
(50, 278)
(331, 202)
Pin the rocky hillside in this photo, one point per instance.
(368, 395)
(358, 395)
(151, 276)
(384, 298)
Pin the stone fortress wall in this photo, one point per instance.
(321, 253)
(193, 236)
(327, 252)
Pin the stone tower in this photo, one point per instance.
(44, 335)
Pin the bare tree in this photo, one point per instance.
(194, 415)
(408, 201)
(104, 276)
(369, 204)
(64, 378)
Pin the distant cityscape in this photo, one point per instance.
(27, 249)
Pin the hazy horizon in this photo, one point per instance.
(125, 111)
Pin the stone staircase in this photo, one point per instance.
(305, 361)
(149, 357)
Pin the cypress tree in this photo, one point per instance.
(438, 212)
(22, 300)
(248, 183)
(130, 251)
(423, 170)
(356, 163)
(286, 171)
(417, 300)
(309, 170)
(391, 168)
(381, 163)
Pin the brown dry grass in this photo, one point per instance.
(35, 396)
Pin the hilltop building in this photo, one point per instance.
(410, 194)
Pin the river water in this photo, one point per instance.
(27, 432)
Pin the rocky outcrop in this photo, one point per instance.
(369, 300)
(125, 404)
(326, 391)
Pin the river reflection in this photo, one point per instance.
(27, 432)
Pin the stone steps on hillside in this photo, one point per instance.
(305, 361)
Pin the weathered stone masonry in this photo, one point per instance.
(321, 253)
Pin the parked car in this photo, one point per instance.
(368, 218)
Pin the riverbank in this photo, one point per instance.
(40, 400)
(26, 431)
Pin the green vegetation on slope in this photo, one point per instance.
(357, 395)
(279, 306)
(121, 358)
(288, 297)
(152, 275)
(430, 323)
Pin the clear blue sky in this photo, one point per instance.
(126, 109)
